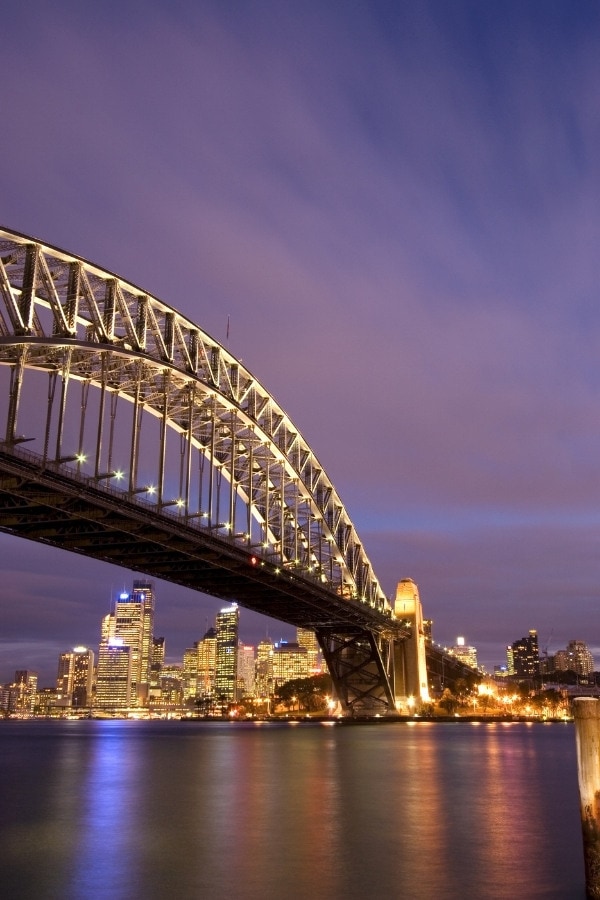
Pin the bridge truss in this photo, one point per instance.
(154, 448)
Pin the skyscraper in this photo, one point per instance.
(24, 692)
(526, 656)
(190, 672)
(143, 592)
(263, 685)
(75, 676)
(226, 658)
(132, 623)
(207, 662)
(464, 653)
(307, 638)
(113, 680)
(246, 671)
(158, 660)
(290, 661)
(510, 660)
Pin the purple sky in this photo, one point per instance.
(397, 204)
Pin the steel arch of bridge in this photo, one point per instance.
(234, 489)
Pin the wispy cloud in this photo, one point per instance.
(398, 208)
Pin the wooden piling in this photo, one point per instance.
(587, 735)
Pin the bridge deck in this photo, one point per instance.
(54, 506)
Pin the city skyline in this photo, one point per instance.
(248, 631)
(390, 214)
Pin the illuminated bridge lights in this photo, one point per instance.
(86, 353)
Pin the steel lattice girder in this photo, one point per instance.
(360, 663)
(49, 508)
(76, 321)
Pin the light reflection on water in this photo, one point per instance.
(126, 810)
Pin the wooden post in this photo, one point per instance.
(587, 735)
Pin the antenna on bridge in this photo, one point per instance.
(228, 327)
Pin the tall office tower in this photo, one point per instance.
(143, 592)
(158, 660)
(307, 638)
(207, 663)
(113, 679)
(510, 660)
(170, 687)
(132, 623)
(246, 671)
(158, 652)
(576, 658)
(75, 677)
(466, 654)
(190, 672)
(24, 693)
(64, 679)
(526, 656)
(106, 628)
(263, 685)
(290, 661)
(226, 661)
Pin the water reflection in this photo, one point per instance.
(126, 810)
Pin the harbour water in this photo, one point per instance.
(121, 810)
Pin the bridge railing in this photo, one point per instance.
(150, 511)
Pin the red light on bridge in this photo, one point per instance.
(253, 560)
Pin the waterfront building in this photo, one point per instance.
(246, 670)
(307, 638)
(290, 661)
(263, 685)
(113, 679)
(466, 654)
(46, 703)
(143, 592)
(75, 678)
(5, 696)
(171, 690)
(526, 657)
(23, 692)
(189, 681)
(576, 658)
(207, 663)
(132, 623)
(226, 655)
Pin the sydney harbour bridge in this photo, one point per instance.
(132, 436)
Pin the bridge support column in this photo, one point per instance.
(359, 662)
(410, 665)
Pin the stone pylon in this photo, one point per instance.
(411, 686)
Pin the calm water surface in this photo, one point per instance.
(125, 810)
